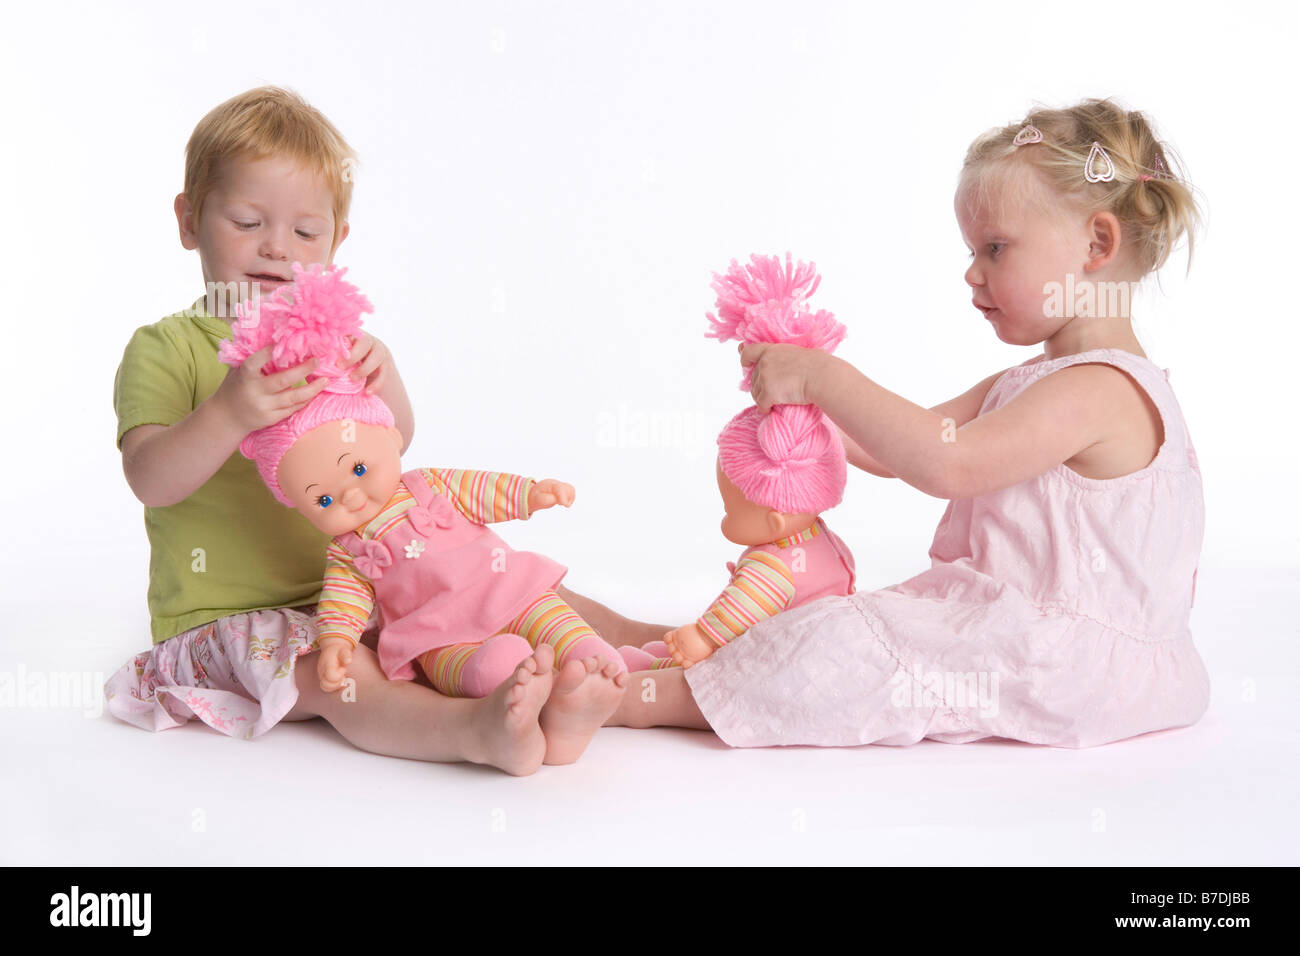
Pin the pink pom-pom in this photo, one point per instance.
(764, 282)
(317, 316)
(766, 301)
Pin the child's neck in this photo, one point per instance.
(1082, 335)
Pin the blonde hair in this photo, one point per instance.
(1149, 194)
(269, 121)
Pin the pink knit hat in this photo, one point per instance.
(792, 458)
(317, 316)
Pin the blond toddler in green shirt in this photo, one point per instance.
(233, 574)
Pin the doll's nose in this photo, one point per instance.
(353, 498)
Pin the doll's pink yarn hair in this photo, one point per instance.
(317, 316)
(792, 458)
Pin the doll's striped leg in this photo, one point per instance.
(475, 670)
(647, 657)
(549, 620)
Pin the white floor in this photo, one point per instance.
(85, 789)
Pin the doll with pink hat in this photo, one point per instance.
(777, 472)
(452, 596)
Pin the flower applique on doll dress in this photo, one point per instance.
(1055, 611)
(440, 578)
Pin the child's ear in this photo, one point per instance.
(343, 234)
(1103, 240)
(185, 221)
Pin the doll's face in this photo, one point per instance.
(341, 474)
(750, 524)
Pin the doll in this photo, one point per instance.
(776, 472)
(452, 596)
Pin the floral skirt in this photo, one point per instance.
(235, 674)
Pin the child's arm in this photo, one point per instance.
(375, 362)
(961, 410)
(1048, 423)
(165, 464)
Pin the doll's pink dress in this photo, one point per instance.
(1055, 611)
(442, 579)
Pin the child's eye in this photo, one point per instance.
(359, 469)
(246, 225)
(324, 501)
(306, 235)
(995, 248)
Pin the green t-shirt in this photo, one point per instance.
(230, 547)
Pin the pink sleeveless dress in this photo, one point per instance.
(1054, 612)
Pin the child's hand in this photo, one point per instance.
(782, 373)
(548, 494)
(332, 667)
(252, 400)
(688, 645)
(374, 361)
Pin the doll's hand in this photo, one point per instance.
(332, 668)
(251, 400)
(782, 373)
(374, 361)
(688, 645)
(548, 494)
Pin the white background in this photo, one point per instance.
(544, 191)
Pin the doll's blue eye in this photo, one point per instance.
(359, 469)
(324, 501)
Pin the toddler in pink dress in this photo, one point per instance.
(1055, 611)
(1057, 605)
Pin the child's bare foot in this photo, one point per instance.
(584, 696)
(509, 731)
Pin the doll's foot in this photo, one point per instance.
(584, 695)
(636, 658)
(509, 729)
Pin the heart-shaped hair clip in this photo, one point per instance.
(1090, 172)
(1030, 134)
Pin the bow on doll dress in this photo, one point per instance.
(374, 556)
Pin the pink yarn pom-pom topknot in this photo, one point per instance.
(766, 301)
(317, 316)
(792, 458)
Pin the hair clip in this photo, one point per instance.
(1089, 171)
(1159, 168)
(1029, 134)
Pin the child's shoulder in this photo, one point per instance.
(188, 330)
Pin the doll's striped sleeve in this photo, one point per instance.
(762, 585)
(483, 496)
(346, 598)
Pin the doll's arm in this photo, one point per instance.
(761, 586)
(346, 600)
(483, 497)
